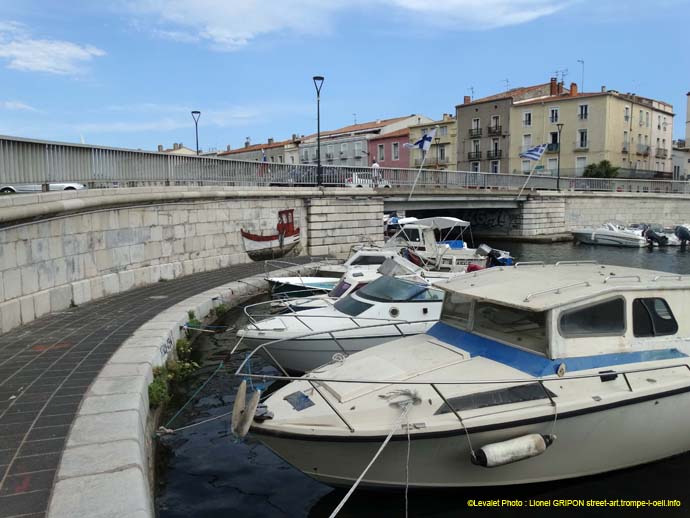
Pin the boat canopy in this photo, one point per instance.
(442, 222)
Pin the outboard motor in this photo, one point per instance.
(652, 237)
(493, 258)
(683, 234)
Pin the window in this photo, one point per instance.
(647, 118)
(526, 166)
(495, 121)
(641, 117)
(552, 165)
(494, 145)
(456, 310)
(305, 155)
(443, 131)
(553, 115)
(292, 159)
(658, 122)
(441, 152)
(584, 111)
(653, 317)
(395, 151)
(626, 116)
(626, 140)
(474, 167)
(580, 164)
(495, 166)
(475, 146)
(601, 319)
(475, 124)
(358, 149)
(554, 137)
(527, 119)
(381, 152)
(497, 397)
(350, 306)
(582, 138)
(515, 326)
(526, 141)
(393, 289)
(329, 151)
(343, 149)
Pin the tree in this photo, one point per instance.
(603, 169)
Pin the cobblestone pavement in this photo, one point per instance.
(47, 366)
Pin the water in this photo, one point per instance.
(208, 474)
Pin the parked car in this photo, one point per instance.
(371, 180)
(36, 187)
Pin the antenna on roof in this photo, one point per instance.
(355, 117)
(562, 73)
(471, 89)
(507, 82)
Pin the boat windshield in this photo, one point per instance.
(392, 289)
(407, 236)
(511, 325)
(339, 289)
(366, 260)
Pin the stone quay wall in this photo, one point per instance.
(90, 244)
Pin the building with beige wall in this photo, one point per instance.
(632, 132)
(442, 154)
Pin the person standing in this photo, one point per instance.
(376, 173)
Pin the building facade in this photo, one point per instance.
(442, 153)
(389, 149)
(282, 152)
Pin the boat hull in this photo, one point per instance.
(603, 238)
(587, 444)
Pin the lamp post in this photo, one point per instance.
(195, 115)
(318, 82)
(558, 175)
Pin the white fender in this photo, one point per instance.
(238, 407)
(513, 450)
(248, 414)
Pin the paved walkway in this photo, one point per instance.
(47, 366)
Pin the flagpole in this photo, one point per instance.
(528, 177)
(424, 153)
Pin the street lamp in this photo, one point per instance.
(318, 82)
(195, 115)
(558, 175)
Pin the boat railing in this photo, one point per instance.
(670, 276)
(315, 380)
(556, 290)
(278, 264)
(283, 304)
(574, 263)
(621, 277)
(530, 263)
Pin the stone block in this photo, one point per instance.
(101, 458)
(10, 315)
(8, 256)
(96, 288)
(60, 297)
(81, 292)
(149, 355)
(120, 385)
(29, 279)
(12, 281)
(106, 495)
(126, 280)
(111, 284)
(27, 309)
(114, 403)
(41, 303)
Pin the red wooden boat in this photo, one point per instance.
(273, 246)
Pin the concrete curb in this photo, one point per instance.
(104, 468)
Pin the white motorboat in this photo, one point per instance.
(380, 311)
(612, 234)
(417, 241)
(575, 369)
(364, 257)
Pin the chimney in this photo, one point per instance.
(553, 86)
(466, 100)
(160, 148)
(294, 137)
(603, 88)
(270, 140)
(560, 88)
(175, 146)
(573, 89)
(247, 142)
(228, 147)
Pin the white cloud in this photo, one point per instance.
(17, 105)
(39, 55)
(231, 26)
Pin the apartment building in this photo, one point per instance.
(389, 149)
(282, 152)
(349, 145)
(680, 153)
(632, 132)
(442, 154)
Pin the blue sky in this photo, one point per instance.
(127, 73)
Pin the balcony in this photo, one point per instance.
(496, 153)
(625, 149)
(643, 149)
(553, 147)
(553, 120)
(661, 153)
(475, 132)
(474, 155)
(495, 130)
(583, 116)
(626, 118)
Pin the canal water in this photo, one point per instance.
(204, 472)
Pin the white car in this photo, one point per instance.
(36, 187)
(371, 180)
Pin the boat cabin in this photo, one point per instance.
(572, 311)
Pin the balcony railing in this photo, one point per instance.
(495, 130)
(642, 149)
(553, 147)
(496, 153)
(661, 153)
(526, 123)
(625, 149)
(581, 146)
(474, 155)
(431, 161)
(583, 116)
(475, 132)
(553, 120)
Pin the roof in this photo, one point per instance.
(356, 128)
(405, 132)
(540, 287)
(513, 92)
(255, 147)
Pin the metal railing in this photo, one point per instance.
(642, 149)
(495, 130)
(552, 147)
(475, 132)
(474, 155)
(24, 161)
(496, 153)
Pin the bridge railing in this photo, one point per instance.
(26, 161)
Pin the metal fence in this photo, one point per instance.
(25, 161)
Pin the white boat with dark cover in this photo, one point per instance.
(538, 372)
(612, 234)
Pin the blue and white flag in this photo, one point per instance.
(423, 143)
(534, 153)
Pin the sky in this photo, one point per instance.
(127, 73)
